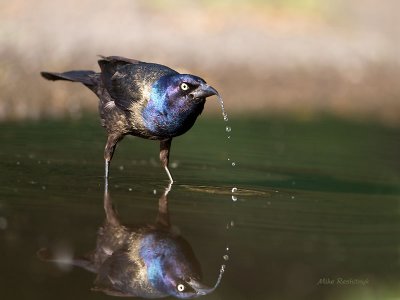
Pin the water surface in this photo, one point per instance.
(316, 201)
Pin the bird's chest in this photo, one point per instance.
(170, 121)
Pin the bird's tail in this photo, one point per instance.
(88, 78)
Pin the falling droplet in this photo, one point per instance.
(130, 189)
(227, 248)
(154, 192)
(226, 257)
(234, 189)
(233, 164)
(292, 197)
(224, 114)
(228, 129)
(225, 117)
(234, 198)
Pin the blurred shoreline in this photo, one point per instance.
(339, 59)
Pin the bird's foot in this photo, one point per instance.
(168, 189)
(171, 181)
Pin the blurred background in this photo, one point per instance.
(299, 57)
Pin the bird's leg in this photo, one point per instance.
(112, 141)
(165, 146)
(106, 182)
(106, 168)
(163, 214)
(111, 213)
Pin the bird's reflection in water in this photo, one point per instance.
(149, 261)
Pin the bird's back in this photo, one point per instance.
(128, 82)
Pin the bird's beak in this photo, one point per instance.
(200, 288)
(204, 91)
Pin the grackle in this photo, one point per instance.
(148, 261)
(147, 100)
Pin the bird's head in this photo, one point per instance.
(181, 89)
(172, 267)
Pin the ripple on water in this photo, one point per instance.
(224, 190)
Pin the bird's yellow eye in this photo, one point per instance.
(184, 86)
(180, 287)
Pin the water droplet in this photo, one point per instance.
(154, 192)
(292, 197)
(43, 187)
(227, 248)
(229, 159)
(234, 198)
(232, 224)
(234, 189)
(225, 257)
(121, 168)
(222, 268)
(228, 129)
(221, 103)
(130, 189)
(18, 163)
(233, 164)
(229, 136)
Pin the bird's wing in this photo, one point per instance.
(128, 81)
(119, 60)
(110, 67)
(116, 274)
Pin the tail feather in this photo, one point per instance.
(85, 77)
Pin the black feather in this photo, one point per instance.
(125, 80)
(83, 76)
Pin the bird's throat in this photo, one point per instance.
(174, 120)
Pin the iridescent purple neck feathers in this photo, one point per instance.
(172, 109)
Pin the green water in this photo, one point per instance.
(316, 200)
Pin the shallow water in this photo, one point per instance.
(316, 201)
